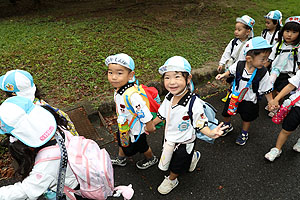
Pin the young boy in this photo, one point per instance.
(257, 51)
(130, 140)
(234, 50)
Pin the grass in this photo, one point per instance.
(63, 45)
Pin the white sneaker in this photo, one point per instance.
(167, 185)
(296, 147)
(195, 159)
(272, 154)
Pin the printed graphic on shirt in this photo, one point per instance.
(184, 125)
(122, 108)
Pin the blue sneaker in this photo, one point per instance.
(242, 138)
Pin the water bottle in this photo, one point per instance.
(274, 74)
(233, 104)
(50, 194)
(166, 156)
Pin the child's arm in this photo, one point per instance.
(286, 90)
(224, 75)
(150, 125)
(214, 133)
(220, 67)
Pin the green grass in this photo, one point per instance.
(64, 46)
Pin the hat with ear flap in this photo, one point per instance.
(178, 64)
(248, 21)
(256, 43)
(31, 124)
(121, 59)
(275, 15)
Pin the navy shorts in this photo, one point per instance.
(247, 110)
(140, 146)
(181, 160)
(292, 120)
(281, 82)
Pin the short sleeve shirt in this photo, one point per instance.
(295, 80)
(265, 85)
(227, 53)
(139, 106)
(178, 123)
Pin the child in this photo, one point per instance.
(285, 56)
(179, 131)
(233, 52)
(273, 25)
(20, 83)
(32, 128)
(256, 51)
(291, 121)
(121, 77)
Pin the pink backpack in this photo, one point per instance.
(90, 164)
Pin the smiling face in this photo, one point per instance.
(270, 25)
(241, 31)
(175, 82)
(290, 36)
(118, 75)
(259, 60)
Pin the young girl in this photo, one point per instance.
(179, 132)
(234, 50)
(285, 56)
(31, 128)
(20, 83)
(273, 25)
(291, 121)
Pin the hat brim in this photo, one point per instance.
(171, 68)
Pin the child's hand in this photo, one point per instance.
(219, 69)
(219, 76)
(273, 104)
(218, 131)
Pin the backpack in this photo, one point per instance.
(149, 95)
(255, 83)
(264, 34)
(294, 50)
(90, 164)
(210, 113)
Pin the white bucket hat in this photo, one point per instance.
(177, 63)
(247, 20)
(121, 59)
(29, 123)
(275, 15)
(256, 43)
(19, 82)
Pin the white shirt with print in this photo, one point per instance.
(269, 36)
(178, 124)
(265, 85)
(227, 53)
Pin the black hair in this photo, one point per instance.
(184, 74)
(25, 155)
(277, 23)
(247, 27)
(37, 94)
(256, 52)
(291, 26)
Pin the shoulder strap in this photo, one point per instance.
(273, 36)
(264, 33)
(239, 72)
(278, 48)
(259, 75)
(233, 43)
(190, 111)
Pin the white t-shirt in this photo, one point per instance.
(227, 53)
(265, 85)
(285, 60)
(269, 36)
(44, 175)
(138, 104)
(178, 124)
(295, 80)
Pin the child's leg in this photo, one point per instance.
(282, 137)
(143, 147)
(121, 152)
(148, 154)
(243, 137)
(246, 126)
(120, 160)
(173, 176)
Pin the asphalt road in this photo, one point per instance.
(225, 170)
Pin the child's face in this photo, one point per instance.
(290, 36)
(241, 32)
(270, 25)
(118, 75)
(258, 61)
(175, 82)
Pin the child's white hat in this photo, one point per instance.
(293, 19)
(29, 123)
(275, 15)
(177, 63)
(19, 82)
(121, 59)
(256, 43)
(247, 20)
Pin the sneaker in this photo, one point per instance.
(242, 138)
(167, 185)
(119, 161)
(296, 147)
(272, 154)
(144, 164)
(226, 97)
(227, 130)
(196, 158)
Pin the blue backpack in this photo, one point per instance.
(210, 113)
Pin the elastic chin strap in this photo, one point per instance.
(181, 92)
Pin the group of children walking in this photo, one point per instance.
(254, 66)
